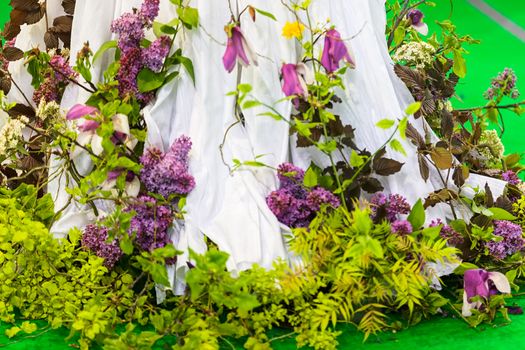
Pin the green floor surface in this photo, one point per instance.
(438, 333)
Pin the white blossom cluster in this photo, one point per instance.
(419, 54)
(491, 138)
(49, 110)
(11, 133)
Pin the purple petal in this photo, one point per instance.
(475, 283)
(238, 42)
(88, 125)
(291, 84)
(415, 16)
(230, 56)
(334, 51)
(114, 174)
(79, 111)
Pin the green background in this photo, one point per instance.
(499, 49)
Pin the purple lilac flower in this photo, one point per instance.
(95, 239)
(401, 227)
(334, 51)
(397, 205)
(511, 177)
(453, 237)
(154, 56)
(288, 209)
(320, 196)
(391, 206)
(504, 83)
(292, 203)
(150, 223)
(48, 91)
(168, 174)
(290, 175)
(150, 10)
(55, 79)
(511, 243)
(130, 29)
(62, 69)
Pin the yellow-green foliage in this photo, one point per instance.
(358, 272)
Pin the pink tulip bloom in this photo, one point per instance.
(334, 51)
(237, 49)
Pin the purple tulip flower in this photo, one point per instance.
(237, 49)
(482, 283)
(334, 51)
(416, 20)
(295, 80)
(78, 111)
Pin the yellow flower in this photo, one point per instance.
(293, 30)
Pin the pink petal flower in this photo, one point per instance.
(334, 51)
(89, 125)
(479, 282)
(291, 81)
(79, 111)
(416, 20)
(237, 49)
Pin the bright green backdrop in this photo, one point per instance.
(498, 50)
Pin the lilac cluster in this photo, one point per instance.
(130, 29)
(401, 227)
(391, 206)
(150, 223)
(511, 243)
(55, 80)
(452, 236)
(168, 173)
(95, 239)
(293, 204)
(505, 84)
(510, 177)
(154, 56)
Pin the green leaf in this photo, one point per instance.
(189, 16)
(147, 80)
(11, 332)
(19, 236)
(28, 327)
(266, 14)
(250, 104)
(460, 270)
(460, 66)
(501, 214)
(310, 178)
(356, 160)
(397, 146)
(106, 46)
(385, 123)
(417, 215)
(413, 108)
(188, 66)
(403, 128)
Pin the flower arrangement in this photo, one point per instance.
(363, 261)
